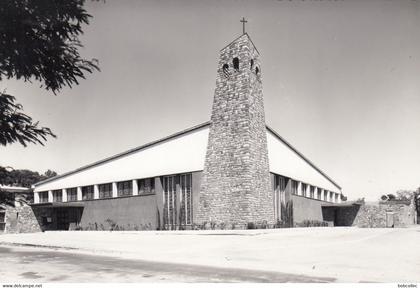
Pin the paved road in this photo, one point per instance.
(42, 265)
(343, 254)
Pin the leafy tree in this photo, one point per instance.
(49, 174)
(15, 126)
(39, 41)
(405, 195)
(23, 177)
(360, 200)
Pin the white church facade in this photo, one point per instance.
(231, 172)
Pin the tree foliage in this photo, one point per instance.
(39, 41)
(22, 177)
(360, 200)
(49, 174)
(405, 195)
(15, 126)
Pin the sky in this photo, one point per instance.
(340, 82)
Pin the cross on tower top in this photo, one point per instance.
(243, 24)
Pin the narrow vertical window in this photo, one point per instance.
(2, 220)
(87, 192)
(235, 63)
(105, 191)
(125, 188)
(146, 186)
(43, 197)
(303, 188)
(57, 196)
(186, 199)
(72, 194)
(312, 194)
(225, 69)
(294, 187)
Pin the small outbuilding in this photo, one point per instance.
(391, 213)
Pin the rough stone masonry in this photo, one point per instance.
(236, 179)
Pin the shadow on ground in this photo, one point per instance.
(74, 267)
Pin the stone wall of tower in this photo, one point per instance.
(236, 180)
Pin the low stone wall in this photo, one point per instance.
(374, 215)
(21, 220)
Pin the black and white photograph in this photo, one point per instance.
(188, 142)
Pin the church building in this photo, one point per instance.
(233, 172)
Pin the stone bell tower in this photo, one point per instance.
(236, 181)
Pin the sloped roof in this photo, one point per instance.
(172, 136)
(302, 156)
(233, 41)
(128, 152)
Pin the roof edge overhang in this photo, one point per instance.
(341, 205)
(302, 156)
(175, 135)
(128, 152)
(58, 204)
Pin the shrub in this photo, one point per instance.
(213, 225)
(280, 224)
(311, 223)
(263, 225)
(112, 224)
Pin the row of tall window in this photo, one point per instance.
(124, 188)
(313, 192)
